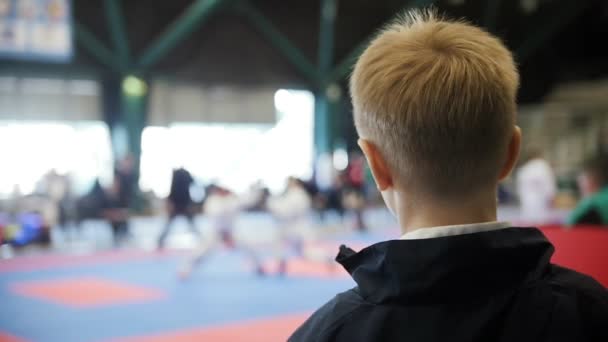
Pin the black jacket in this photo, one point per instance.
(490, 286)
(179, 195)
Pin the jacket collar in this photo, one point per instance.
(460, 229)
(447, 268)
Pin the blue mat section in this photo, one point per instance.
(223, 290)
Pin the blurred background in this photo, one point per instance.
(186, 169)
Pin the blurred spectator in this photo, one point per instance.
(345, 194)
(91, 204)
(536, 188)
(68, 214)
(356, 171)
(353, 198)
(179, 203)
(53, 187)
(332, 197)
(116, 211)
(593, 184)
(125, 173)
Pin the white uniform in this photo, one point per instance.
(223, 209)
(292, 212)
(293, 204)
(536, 188)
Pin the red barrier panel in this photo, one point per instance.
(584, 249)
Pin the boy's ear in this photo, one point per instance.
(512, 154)
(377, 164)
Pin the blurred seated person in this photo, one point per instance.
(346, 194)
(35, 215)
(90, 204)
(353, 197)
(115, 210)
(331, 199)
(353, 200)
(126, 175)
(593, 183)
(355, 171)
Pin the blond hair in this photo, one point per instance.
(438, 98)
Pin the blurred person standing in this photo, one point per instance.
(593, 184)
(536, 188)
(179, 203)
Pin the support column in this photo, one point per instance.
(133, 116)
(321, 125)
(134, 102)
(327, 96)
(112, 115)
(327, 124)
(124, 107)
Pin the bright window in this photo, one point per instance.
(31, 149)
(235, 155)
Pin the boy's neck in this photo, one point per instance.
(429, 213)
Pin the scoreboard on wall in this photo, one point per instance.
(36, 30)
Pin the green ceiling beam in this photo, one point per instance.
(118, 33)
(565, 14)
(344, 68)
(329, 10)
(96, 48)
(189, 20)
(280, 42)
(490, 15)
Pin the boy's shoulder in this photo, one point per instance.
(319, 326)
(579, 294)
(584, 287)
(583, 296)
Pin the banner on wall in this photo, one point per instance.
(36, 30)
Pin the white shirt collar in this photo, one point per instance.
(435, 232)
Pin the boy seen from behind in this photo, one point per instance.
(435, 106)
